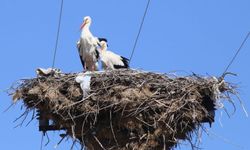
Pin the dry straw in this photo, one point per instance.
(126, 109)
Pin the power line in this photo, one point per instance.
(237, 52)
(139, 32)
(57, 34)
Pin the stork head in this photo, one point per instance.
(103, 45)
(86, 22)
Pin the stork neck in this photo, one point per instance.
(104, 49)
(86, 31)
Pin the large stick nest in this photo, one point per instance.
(126, 109)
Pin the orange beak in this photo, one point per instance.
(83, 24)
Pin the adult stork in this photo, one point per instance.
(110, 60)
(87, 47)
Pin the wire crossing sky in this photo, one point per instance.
(58, 33)
(237, 52)
(139, 32)
(177, 36)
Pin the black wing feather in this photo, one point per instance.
(125, 62)
(103, 39)
(97, 55)
(79, 49)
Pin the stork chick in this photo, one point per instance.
(110, 60)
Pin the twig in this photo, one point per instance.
(8, 108)
(164, 141)
(48, 140)
(72, 146)
(59, 142)
(242, 105)
(100, 144)
(32, 118)
(80, 100)
(144, 122)
(26, 111)
(41, 144)
(111, 126)
(20, 124)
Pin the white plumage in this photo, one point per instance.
(84, 81)
(87, 47)
(110, 60)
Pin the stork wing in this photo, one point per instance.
(79, 47)
(117, 60)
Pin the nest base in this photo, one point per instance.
(124, 109)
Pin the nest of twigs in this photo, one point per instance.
(125, 109)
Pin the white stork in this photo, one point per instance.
(110, 60)
(87, 47)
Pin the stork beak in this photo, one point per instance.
(99, 44)
(83, 24)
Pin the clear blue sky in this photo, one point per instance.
(193, 35)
